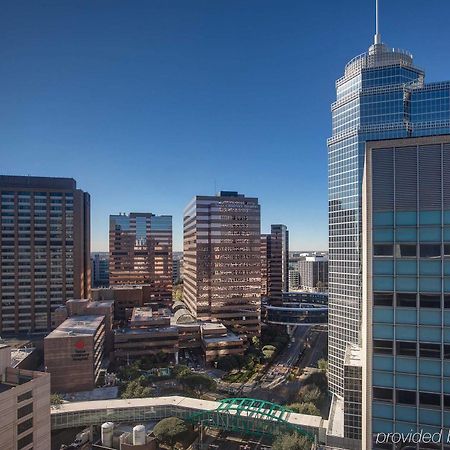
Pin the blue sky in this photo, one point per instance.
(147, 103)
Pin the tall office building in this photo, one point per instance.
(406, 287)
(281, 233)
(275, 263)
(313, 272)
(100, 269)
(382, 95)
(222, 268)
(45, 250)
(140, 252)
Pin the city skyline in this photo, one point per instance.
(126, 103)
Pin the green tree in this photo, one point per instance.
(171, 430)
(310, 394)
(198, 383)
(322, 364)
(56, 400)
(291, 441)
(228, 363)
(137, 389)
(269, 352)
(305, 408)
(319, 379)
(181, 371)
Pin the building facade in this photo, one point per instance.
(382, 95)
(24, 406)
(45, 250)
(100, 269)
(73, 353)
(281, 234)
(222, 260)
(313, 272)
(140, 252)
(406, 274)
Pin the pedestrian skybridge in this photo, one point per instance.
(249, 416)
(239, 414)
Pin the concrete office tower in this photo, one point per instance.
(406, 286)
(100, 269)
(275, 263)
(24, 406)
(45, 249)
(222, 266)
(140, 252)
(382, 95)
(313, 272)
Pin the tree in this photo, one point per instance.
(181, 371)
(198, 383)
(322, 364)
(305, 408)
(137, 389)
(56, 400)
(310, 394)
(319, 379)
(228, 363)
(171, 430)
(291, 441)
(269, 351)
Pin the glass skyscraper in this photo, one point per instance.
(382, 95)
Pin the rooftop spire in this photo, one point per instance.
(377, 37)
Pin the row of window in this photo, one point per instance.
(410, 397)
(407, 348)
(411, 300)
(412, 250)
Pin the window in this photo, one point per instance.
(406, 348)
(446, 249)
(382, 347)
(430, 250)
(406, 250)
(430, 350)
(407, 300)
(24, 426)
(426, 398)
(383, 299)
(25, 410)
(383, 250)
(446, 301)
(406, 397)
(447, 351)
(383, 394)
(25, 441)
(24, 396)
(447, 401)
(430, 300)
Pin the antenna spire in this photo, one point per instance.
(377, 37)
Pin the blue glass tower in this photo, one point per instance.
(382, 95)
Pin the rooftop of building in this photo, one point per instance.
(77, 326)
(31, 182)
(146, 330)
(227, 338)
(213, 327)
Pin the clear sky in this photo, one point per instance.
(147, 103)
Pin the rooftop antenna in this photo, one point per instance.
(377, 38)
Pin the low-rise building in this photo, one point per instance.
(217, 341)
(24, 406)
(73, 353)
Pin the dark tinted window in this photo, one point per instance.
(25, 441)
(383, 250)
(430, 350)
(447, 401)
(446, 351)
(406, 397)
(447, 249)
(406, 348)
(383, 299)
(447, 301)
(382, 346)
(430, 300)
(25, 410)
(406, 250)
(382, 394)
(407, 300)
(426, 398)
(430, 250)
